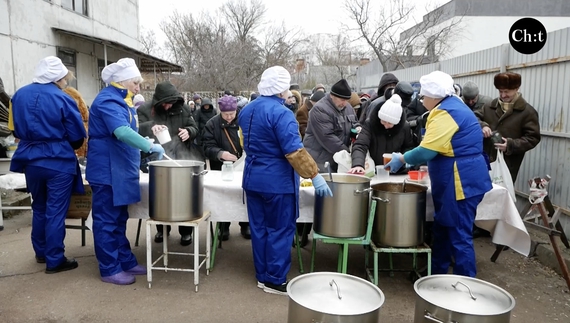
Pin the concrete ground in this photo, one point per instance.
(229, 293)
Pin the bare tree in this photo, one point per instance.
(244, 18)
(336, 51)
(381, 27)
(147, 39)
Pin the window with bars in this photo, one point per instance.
(79, 6)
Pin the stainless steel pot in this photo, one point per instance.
(176, 190)
(453, 298)
(326, 297)
(400, 214)
(344, 214)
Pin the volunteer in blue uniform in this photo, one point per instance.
(275, 159)
(459, 173)
(113, 162)
(49, 126)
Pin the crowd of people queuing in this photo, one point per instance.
(284, 132)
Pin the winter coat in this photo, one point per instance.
(378, 140)
(178, 116)
(215, 141)
(372, 105)
(519, 125)
(328, 131)
(481, 101)
(302, 116)
(365, 108)
(414, 112)
(201, 116)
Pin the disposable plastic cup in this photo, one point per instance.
(381, 173)
(163, 136)
(387, 158)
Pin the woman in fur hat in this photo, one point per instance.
(84, 111)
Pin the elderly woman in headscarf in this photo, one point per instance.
(113, 170)
(275, 159)
(459, 172)
(49, 126)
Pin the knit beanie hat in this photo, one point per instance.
(470, 90)
(315, 97)
(196, 97)
(138, 100)
(341, 89)
(391, 110)
(227, 103)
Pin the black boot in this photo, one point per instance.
(225, 231)
(244, 230)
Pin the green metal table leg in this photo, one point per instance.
(344, 258)
(299, 253)
(313, 250)
(429, 264)
(414, 265)
(214, 246)
(339, 259)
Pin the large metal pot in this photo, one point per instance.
(400, 214)
(344, 214)
(453, 298)
(326, 297)
(176, 190)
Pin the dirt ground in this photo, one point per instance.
(229, 293)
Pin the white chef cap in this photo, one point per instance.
(49, 70)
(437, 85)
(124, 69)
(274, 80)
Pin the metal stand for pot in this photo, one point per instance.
(150, 265)
(373, 272)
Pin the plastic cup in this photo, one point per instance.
(163, 136)
(387, 158)
(381, 173)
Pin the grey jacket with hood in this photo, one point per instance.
(202, 115)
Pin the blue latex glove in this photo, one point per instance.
(395, 164)
(156, 148)
(321, 186)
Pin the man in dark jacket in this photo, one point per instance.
(388, 80)
(330, 125)
(167, 109)
(472, 98)
(205, 112)
(513, 118)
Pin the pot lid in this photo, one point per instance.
(464, 295)
(335, 293)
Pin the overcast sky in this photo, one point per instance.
(313, 16)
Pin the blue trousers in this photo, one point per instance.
(456, 241)
(51, 194)
(112, 248)
(272, 220)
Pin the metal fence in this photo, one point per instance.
(545, 85)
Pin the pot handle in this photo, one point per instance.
(470, 293)
(337, 288)
(380, 199)
(366, 190)
(204, 172)
(428, 316)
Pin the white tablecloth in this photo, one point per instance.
(497, 213)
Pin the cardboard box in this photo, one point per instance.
(80, 204)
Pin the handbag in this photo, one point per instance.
(500, 175)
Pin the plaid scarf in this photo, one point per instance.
(505, 106)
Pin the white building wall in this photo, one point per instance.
(26, 36)
(479, 33)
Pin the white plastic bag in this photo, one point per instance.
(344, 161)
(500, 175)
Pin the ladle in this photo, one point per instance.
(174, 161)
(404, 185)
(328, 167)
